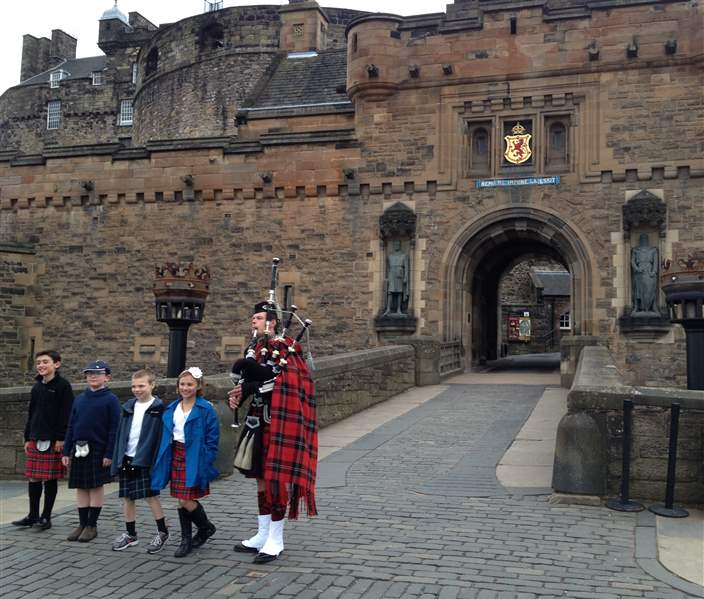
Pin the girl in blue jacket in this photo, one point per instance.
(187, 452)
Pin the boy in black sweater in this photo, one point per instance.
(49, 410)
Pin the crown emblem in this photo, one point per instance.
(518, 129)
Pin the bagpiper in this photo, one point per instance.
(278, 445)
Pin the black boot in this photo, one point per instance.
(186, 531)
(206, 528)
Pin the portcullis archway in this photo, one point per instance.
(480, 253)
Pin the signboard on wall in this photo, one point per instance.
(519, 328)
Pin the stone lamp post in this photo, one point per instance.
(682, 281)
(180, 292)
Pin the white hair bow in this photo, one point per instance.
(196, 372)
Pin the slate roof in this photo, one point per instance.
(307, 81)
(77, 68)
(557, 282)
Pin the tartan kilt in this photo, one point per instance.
(135, 481)
(178, 475)
(43, 465)
(88, 472)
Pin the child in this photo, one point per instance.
(138, 436)
(90, 441)
(49, 409)
(189, 446)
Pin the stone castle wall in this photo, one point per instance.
(631, 122)
(89, 115)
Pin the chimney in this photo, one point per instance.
(40, 54)
(63, 47)
(35, 56)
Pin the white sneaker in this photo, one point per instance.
(124, 541)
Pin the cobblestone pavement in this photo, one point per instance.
(411, 510)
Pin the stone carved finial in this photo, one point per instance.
(397, 221)
(644, 209)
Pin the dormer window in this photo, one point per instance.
(98, 78)
(56, 76)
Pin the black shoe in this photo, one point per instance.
(244, 549)
(42, 524)
(26, 521)
(265, 558)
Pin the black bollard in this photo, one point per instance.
(669, 510)
(624, 504)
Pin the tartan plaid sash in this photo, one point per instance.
(292, 453)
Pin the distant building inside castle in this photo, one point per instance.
(403, 168)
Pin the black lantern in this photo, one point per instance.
(683, 284)
(180, 292)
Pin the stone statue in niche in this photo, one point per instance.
(397, 280)
(644, 277)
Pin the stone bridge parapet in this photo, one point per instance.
(588, 452)
(345, 384)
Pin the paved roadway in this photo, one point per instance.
(410, 506)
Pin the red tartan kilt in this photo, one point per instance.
(43, 465)
(178, 475)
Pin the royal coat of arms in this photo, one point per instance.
(518, 145)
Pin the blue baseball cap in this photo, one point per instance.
(97, 366)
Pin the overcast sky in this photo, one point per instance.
(79, 18)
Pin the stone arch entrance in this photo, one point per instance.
(480, 253)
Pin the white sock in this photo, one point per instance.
(275, 541)
(258, 540)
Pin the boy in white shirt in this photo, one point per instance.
(138, 438)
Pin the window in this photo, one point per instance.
(134, 73)
(479, 148)
(565, 321)
(125, 112)
(557, 147)
(152, 62)
(98, 77)
(298, 29)
(55, 77)
(53, 114)
(211, 37)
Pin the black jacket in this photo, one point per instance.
(49, 409)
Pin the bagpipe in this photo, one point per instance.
(266, 357)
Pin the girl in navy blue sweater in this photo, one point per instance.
(88, 447)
